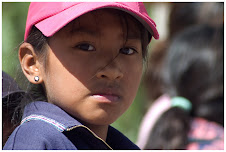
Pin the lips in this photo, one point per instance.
(107, 95)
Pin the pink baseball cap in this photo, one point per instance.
(50, 17)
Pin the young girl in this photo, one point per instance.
(87, 60)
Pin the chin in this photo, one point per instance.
(102, 120)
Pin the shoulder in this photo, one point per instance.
(37, 135)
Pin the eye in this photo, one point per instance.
(128, 51)
(85, 47)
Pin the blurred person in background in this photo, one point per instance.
(192, 115)
(11, 96)
(182, 16)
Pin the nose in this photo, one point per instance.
(111, 71)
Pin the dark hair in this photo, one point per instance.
(11, 96)
(39, 41)
(182, 15)
(186, 14)
(193, 69)
(33, 92)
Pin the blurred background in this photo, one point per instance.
(13, 24)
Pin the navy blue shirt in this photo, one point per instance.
(46, 126)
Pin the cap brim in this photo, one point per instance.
(51, 25)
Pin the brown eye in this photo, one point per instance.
(127, 51)
(85, 47)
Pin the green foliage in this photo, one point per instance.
(13, 24)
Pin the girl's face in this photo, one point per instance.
(94, 67)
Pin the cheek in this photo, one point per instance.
(133, 69)
(60, 80)
(132, 79)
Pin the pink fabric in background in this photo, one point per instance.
(154, 112)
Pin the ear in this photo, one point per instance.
(29, 63)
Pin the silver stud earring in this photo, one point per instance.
(36, 78)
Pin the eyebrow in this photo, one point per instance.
(131, 33)
(85, 31)
(93, 33)
(133, 36)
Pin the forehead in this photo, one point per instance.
(94, 21)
